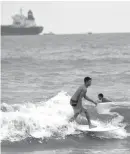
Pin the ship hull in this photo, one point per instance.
(10, 30)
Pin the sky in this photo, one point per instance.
(63, 17)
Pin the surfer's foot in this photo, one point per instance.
(92, 126)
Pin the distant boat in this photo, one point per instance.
(89, 33)
(22, 25)
(50, 33)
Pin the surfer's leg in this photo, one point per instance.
(88, 118)
(76, 113)
(74, 117)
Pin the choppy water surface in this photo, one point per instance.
(39, 75)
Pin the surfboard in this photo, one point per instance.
(85, 128)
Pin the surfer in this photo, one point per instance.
(102, 98)
(76, 101)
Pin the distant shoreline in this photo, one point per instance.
(85, 34)
(93, 33)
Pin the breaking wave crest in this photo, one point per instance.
(50, 119)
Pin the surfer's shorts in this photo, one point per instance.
(73, 103)
(76, 107)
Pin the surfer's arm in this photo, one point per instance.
(88, 99)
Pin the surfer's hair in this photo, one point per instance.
(86, 79)
(100, 95)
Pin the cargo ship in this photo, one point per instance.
(22, 25)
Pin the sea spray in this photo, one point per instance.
(46, 119)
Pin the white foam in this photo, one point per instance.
(45, 118)
(105, 108)
(40, 120)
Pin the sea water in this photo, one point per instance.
(39, 76)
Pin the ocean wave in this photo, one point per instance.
(50, 119)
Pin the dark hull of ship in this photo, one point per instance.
(10, 30)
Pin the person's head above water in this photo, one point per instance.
(100, 96)
(87, 81)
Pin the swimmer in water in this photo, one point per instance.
(102, 98)
(76, 101)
